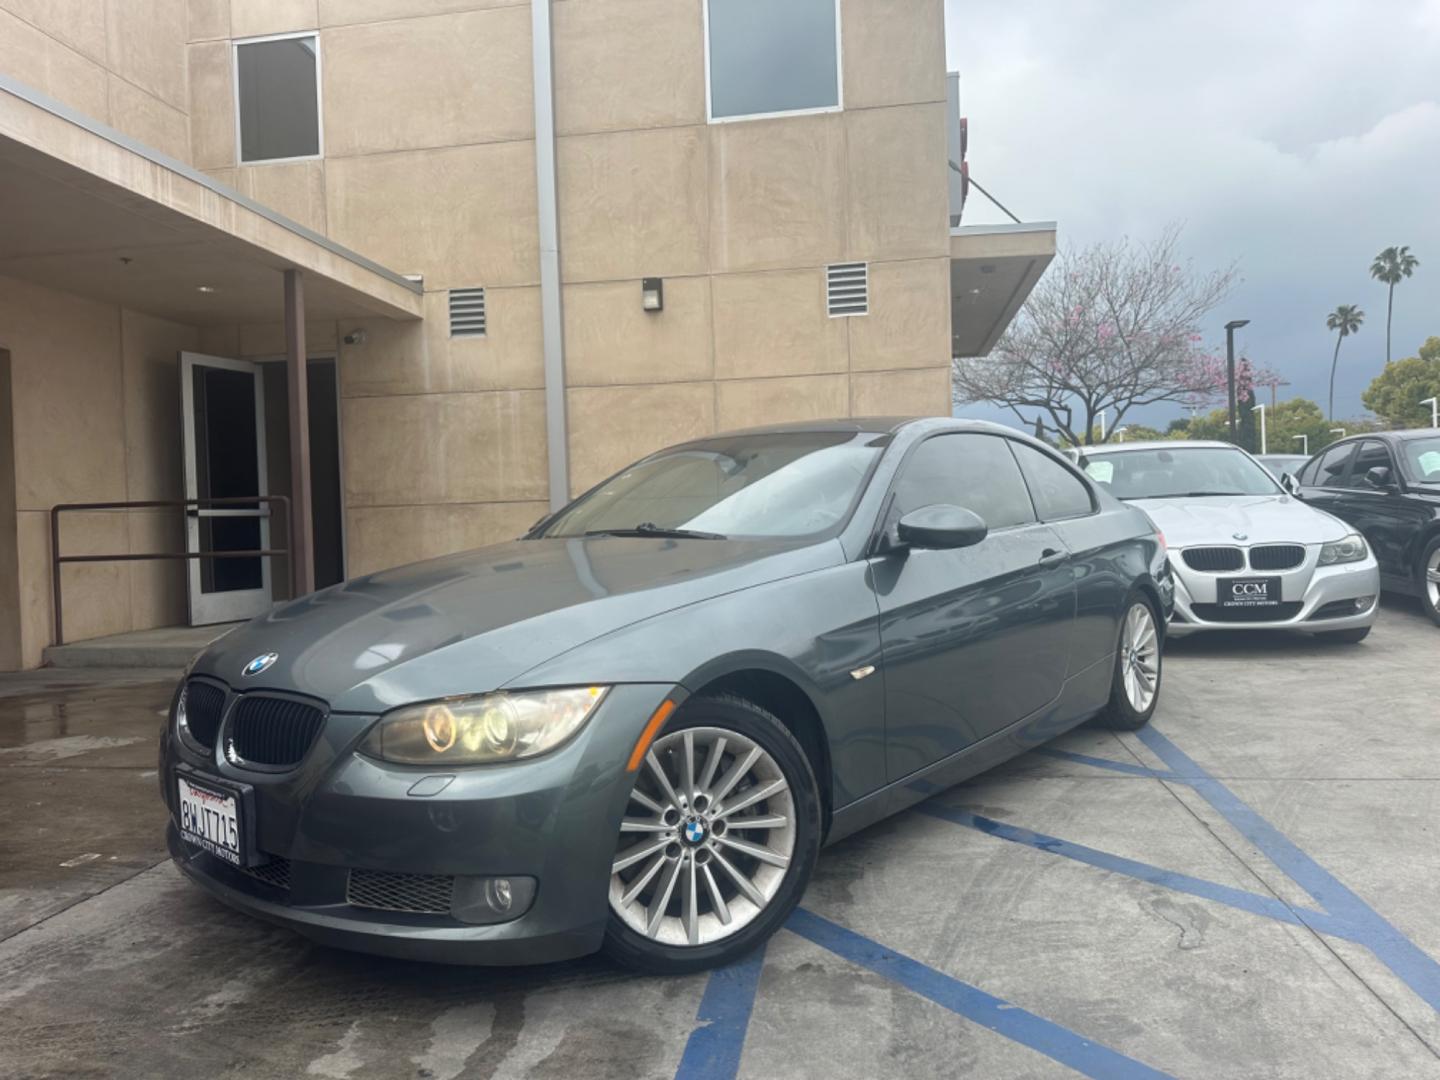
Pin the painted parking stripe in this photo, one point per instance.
(1267, 906)
(1105, 763)
(1014, 1023)
(713, 1050)
(1366, 926)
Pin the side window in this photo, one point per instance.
(766, 57)
(277, 97)
(1058, 492)
(1371, 455)
(977, 472)
(1330, 472)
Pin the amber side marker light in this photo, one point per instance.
(642, 744)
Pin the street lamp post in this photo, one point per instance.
(1304, 443)
(1434, 403)
(1230, 328)
(1261, 410)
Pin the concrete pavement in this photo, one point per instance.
(1117, 906)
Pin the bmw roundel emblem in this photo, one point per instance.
(694, 832)
(1241, 536)
(259, 664)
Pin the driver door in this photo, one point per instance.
(977, 638)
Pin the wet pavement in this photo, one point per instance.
(1246, 892)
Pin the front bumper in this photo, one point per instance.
(555, 819)
(1315, 599)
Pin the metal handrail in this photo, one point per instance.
(57, 560)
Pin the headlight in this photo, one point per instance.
(1351, 549)
(484, 729)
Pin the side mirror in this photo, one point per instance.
(1380, 478)
(1289, 483)
(941, 526)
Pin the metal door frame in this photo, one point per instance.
(206, 608)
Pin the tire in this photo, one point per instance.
(1128, 710)
(1346, 637)
(687, 842)
(1430, 590)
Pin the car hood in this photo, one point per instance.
(475, 621)
(1224, 520)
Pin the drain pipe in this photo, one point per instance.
(552, 319)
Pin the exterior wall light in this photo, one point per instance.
(652, 293)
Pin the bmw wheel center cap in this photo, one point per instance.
(259, 664)
(694, 832)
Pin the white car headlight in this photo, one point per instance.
(484, 729)
(1350, 549)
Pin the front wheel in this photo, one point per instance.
(719, 839)
(1135, 686)
(1430, 579)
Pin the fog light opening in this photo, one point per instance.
(1363, 602)
(499, 895)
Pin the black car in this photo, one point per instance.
(1388, 486)
(636, 726)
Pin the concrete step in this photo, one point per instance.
(165, 647)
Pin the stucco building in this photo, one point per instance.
(524, 242)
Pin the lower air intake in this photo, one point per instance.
(422, 894)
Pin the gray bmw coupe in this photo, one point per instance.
(636, 726)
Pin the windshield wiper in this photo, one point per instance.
(1200, 495)
(649, 528)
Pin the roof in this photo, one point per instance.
(1393, 436)
(878, 425)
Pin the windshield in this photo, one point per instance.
(1184, 471)
(1422, 459)
(768, 485)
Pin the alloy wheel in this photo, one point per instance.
(708, 836)
(1140, 657)
(1432, 579)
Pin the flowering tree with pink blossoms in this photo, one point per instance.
(1110, 328)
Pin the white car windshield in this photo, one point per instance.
(1185, 471)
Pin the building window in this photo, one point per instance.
(766, 58)
(277, 97)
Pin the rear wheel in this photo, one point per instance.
(1430, 575)
(1135, 689)
(718, 842)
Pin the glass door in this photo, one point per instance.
(224, 433)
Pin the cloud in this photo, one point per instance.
(1297, 139)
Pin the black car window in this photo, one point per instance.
(973, 471)
(1371, 455)
(1422, 458)
(1057, 491)
(1329, 469)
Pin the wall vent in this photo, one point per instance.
(467, 312)
(847, 289)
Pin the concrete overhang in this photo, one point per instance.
(85, 209)
(992, 270)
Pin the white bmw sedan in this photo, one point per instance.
(1246, 555)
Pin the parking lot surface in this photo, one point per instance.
(1245, 890)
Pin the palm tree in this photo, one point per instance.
(1392, 266)
(1347, 319)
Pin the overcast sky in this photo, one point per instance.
(1295, 138)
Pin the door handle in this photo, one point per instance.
(1050, 557)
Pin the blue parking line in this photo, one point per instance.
(999, 1016)
(1105, 763)
(1366, 926)
(1155, 875)
(714, 1047)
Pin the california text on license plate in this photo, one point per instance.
(1249, 592)
(210, 819)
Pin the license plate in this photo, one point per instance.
(1248, 592)
(210, 819)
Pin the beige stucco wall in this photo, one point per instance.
(429, 169)
(121, 62)
(96, 416)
